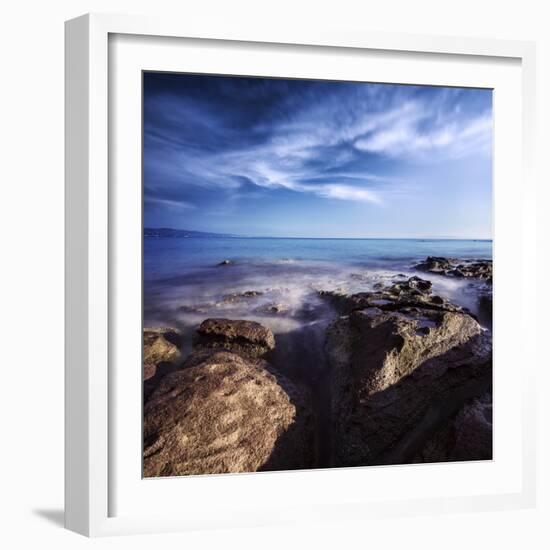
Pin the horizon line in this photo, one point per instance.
(235, 236)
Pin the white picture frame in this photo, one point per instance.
(93, 398)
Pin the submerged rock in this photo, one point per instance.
(160, 354)
(273, 309)
(196, 308)
(398, 376)
(247, 337)
(226, 413)
(240, 297)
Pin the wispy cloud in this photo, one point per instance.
(339, 142)
(449, 137)
(169, 203)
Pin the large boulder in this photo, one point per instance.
(224, 412)
(161, 354)
(398, 376)
(246, 337)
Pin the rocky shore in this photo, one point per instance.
(477, 269)
(408, 379)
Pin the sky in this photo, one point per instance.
(311, 158)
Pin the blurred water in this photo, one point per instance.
(183, 283)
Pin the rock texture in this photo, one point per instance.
(247, 337)
(477, 269)
(160, 354)
(225, 412)
(409, 293)
(400, 370)
(467, 436)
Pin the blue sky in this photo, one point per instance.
(299, 158)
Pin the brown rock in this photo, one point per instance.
(160, 354)
(246, 337)
(226, 413)
(398, 377)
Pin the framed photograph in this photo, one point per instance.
(282, 257)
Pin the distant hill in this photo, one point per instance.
(176, 233)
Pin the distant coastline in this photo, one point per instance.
(178, 233)
(168, 232)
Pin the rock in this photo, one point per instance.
(412, 293)
(467, 436)
(338, 298)
(478, 269)
(474, 430)
(225, 262)
(399, 376)
(160, 354)
(272, 309)
(226, 413)
(247, 337)
(239, 297)
(199, 308)
(420, 284)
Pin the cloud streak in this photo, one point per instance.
(207, 138)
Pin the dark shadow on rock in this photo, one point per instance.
(54, 516)
(297, 447)
(392, 425)
(162, 370)
(437, 415)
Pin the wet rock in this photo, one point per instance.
(240, 297)
(160, 354)
(452, 267)
(273, 309)
(399, 376)
(226, 413)
(413, 292)
(199, 308)
(247, 337)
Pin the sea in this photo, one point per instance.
(276, 282)
(184, 283)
